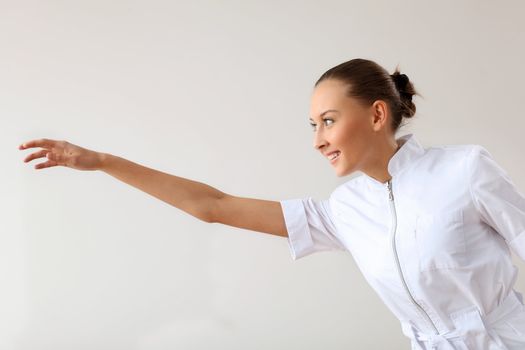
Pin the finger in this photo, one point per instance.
(47, 164)
(57, 158)
(39, 154)
(44, 143)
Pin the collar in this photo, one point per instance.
(409, 150)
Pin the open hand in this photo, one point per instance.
(62, 153)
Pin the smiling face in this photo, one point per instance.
(341, 123)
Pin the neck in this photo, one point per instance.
(377, 168)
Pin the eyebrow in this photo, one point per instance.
(327, 111)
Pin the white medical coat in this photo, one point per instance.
(434, 243)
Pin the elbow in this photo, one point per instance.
(211, 215)
(207, 218)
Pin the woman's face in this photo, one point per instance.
(341, 124)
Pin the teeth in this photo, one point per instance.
(334, 155)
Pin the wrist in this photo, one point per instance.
(103, 160)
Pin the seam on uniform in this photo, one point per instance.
(513, 328)
(469, 164)
(330, 212)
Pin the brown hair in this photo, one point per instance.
(367, 82)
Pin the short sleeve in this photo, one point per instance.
(500, 204)
(310, 226)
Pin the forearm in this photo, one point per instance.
(195, 198)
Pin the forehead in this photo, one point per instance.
(330, 94)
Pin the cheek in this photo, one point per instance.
(346, 139)
(352, 146)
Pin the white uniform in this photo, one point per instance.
(433, 243)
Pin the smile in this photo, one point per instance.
(334, 157)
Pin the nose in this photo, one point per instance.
(319, 141)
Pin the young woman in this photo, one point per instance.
(430, 228)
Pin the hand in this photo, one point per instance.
(63, 153)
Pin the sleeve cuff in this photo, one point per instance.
(299, 240)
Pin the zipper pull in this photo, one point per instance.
(389, 187)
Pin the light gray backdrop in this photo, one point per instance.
(218, 92)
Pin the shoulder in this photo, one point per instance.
(468, 154)
(460, 150)
(456, 155)
(465, 162)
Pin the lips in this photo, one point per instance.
(329, 153)
(333, 154)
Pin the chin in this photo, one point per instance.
(340, 172)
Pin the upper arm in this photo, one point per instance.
(499, 202)
(311, 227)
(249, 213)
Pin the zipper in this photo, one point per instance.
(398, 265)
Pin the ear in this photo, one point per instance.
(380, 116)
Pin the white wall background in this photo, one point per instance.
(218, 92)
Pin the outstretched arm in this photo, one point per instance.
(197, 199)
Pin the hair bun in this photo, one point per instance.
(401, 81)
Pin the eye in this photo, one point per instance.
(325, 119)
